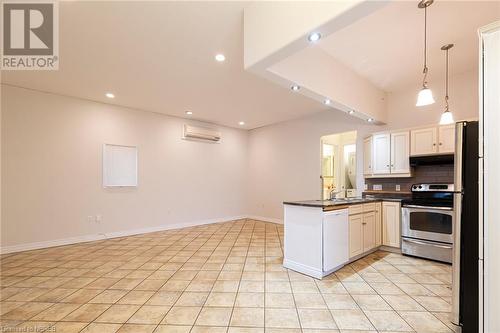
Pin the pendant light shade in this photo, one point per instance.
(447, 116)
(424, 96)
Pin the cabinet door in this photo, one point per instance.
(381, 153)
(378, 223)
(391, 215)
(423, 141)
(368, 231)
(446, 139)
(400, 152)
(367, 156)
(355, 235)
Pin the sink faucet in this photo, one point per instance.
(333, 194)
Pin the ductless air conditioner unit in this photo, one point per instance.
(201, 133)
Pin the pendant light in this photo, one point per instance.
(446, 117)
(425, 94)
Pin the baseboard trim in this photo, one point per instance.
(390, 249)
(116, 234)
(265, 219)
(294, 266)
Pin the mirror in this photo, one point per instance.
(338, 165)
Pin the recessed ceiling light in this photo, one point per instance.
(295, 87)
(110, 95)
(189, 113)
(327, 101)
(241, 123)
(314, 37)
(370, 120)
(350, 111)
(220, 57)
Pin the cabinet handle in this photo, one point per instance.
(387, 165)
(364, 222)
(440, 143)
(434, 145)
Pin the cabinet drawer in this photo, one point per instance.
(355, 209)
(369, 207)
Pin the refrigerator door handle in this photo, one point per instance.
(455, 300)
(459, 136)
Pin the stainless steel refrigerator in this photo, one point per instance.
(465, 298)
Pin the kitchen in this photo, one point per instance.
(343, 233)
(419, 200)
(251, 167)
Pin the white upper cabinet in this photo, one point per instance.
(424, 141)
(367, 156)
(433, 140)
(381, 153)
(400, 152)
(390, 153)
(446, 139)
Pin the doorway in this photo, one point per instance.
(338, 165)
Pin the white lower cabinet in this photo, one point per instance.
(368, 231)
(391, 224)
(355, 235)
(362, 229)
(378, 223)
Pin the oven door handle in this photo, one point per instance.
(427, 207)
(428, 243)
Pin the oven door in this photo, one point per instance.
(429, 223)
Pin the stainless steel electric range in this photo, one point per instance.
(428, 222)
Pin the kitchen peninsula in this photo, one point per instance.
(321, 236)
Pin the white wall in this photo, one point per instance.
(51, 170)
(285, 158)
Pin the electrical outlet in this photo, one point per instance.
(377, 187)
(398, 187)
(98, 218)
(366, 187)
(90, 219)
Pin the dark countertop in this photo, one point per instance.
(338, 204)
(330, 203)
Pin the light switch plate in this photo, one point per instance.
(398, 187)
(377, 187)
(366, 187)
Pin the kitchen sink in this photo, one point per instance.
(346, 199)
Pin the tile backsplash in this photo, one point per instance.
(442, 173)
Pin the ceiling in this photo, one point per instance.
(159, 56)
(386, 47)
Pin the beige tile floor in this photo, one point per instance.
(219, 278)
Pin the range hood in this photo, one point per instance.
(431, 160)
